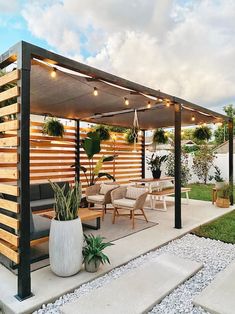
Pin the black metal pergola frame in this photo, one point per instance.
(23, 53)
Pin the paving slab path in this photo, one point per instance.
(138, 290)
(219, 296)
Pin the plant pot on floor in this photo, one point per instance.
(156, 173)
(93, 266)
(222, 202)
(219, 185)
(65, 247)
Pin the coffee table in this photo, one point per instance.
(85, 214)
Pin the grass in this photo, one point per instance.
(222, 229)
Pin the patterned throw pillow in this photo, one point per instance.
(104, 188)
(133, 193)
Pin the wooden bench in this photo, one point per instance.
(167, 192)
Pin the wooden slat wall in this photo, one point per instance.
(9, 209)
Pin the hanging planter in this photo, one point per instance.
(130, 136)
(202, 133)
(53, 127)
(103, 132)
(160, 137)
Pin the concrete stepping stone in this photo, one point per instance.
(138, 290)
(219, 296)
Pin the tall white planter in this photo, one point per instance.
(65, 247)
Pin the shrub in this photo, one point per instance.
(202, 162)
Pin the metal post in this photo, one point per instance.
(178, 223)
(230, 130)
(24, 276)
(77, 161)
(143, 155)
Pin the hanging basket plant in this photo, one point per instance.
(202, 133)
(131, 135)
(160, 137)
(103, 132)
(53, 127)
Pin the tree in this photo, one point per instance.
(202, 162)
(221, 133)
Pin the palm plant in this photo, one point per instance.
(67, 201)
(93, 250)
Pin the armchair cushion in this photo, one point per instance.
(124, 202)
(97, 198)
(41, 227)
(104, 188)
(133, 192)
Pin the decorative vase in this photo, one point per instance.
(219, 185)
(92, 267)
(222, 202)
(65, 247)
(156, 173)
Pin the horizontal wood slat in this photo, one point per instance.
(9, 125)
(9, 141)
(9, 237)
(9, 205)
(9, 173)
(9, 251)
(10, 93)
(9, 157)
(9, 221)
(10, 77)
(8, 110)
(9, 189)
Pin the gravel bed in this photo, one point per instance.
(215, 256)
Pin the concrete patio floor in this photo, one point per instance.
(47, 287)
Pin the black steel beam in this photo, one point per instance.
(77, 161)
(230, 129)
(24, 277)
(178, 222)
(143, 155)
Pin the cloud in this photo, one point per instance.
(186, 48)
(7, 7)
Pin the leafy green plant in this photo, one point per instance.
(154, 162)
(217, 175)
(224, 192)
(130, 135)
(185, 170)
(190, 149)
(67, 201)
(93, 250)
(53, 127)
(103, 131)
(160, 137)
(202, 162)
(91, 146)
(202, 133)
(118, 129)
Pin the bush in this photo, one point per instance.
(185, 171)
(202, 162)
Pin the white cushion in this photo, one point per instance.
(133, 193)
(104, 188)
(97, 198)
(124, 202)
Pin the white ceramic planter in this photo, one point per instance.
(219, 185)
(65, 247)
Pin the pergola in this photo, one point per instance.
(70, 95)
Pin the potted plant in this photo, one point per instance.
(66, 236)
(93, 252)
(223, 196)
(131, 135)
(219, 181)
(160, 137)
(53, 127)
(103, 132)
(202, 133)
(154, 164)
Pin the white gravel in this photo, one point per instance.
(215, 256)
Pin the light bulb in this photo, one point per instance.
(53, 73)
(219, 124)
(193, 118)
(149, 104)
(95, 92)
(168, 104)
(126, 101)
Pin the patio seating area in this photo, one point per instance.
(137, 213)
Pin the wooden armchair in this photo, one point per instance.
(131, 199)
(100, 194)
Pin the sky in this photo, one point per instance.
(182, 47)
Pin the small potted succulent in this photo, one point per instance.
(93, 252)
(53, 127)
(223, 196)
(154, 164)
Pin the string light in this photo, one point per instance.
(53, 73)
(126, 101)
(168, 104)
(95, 92)
(149, 105)
(204, 124)
(182, 132)
(193, 118)
(219, 123)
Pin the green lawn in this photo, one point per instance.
(222, 229)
